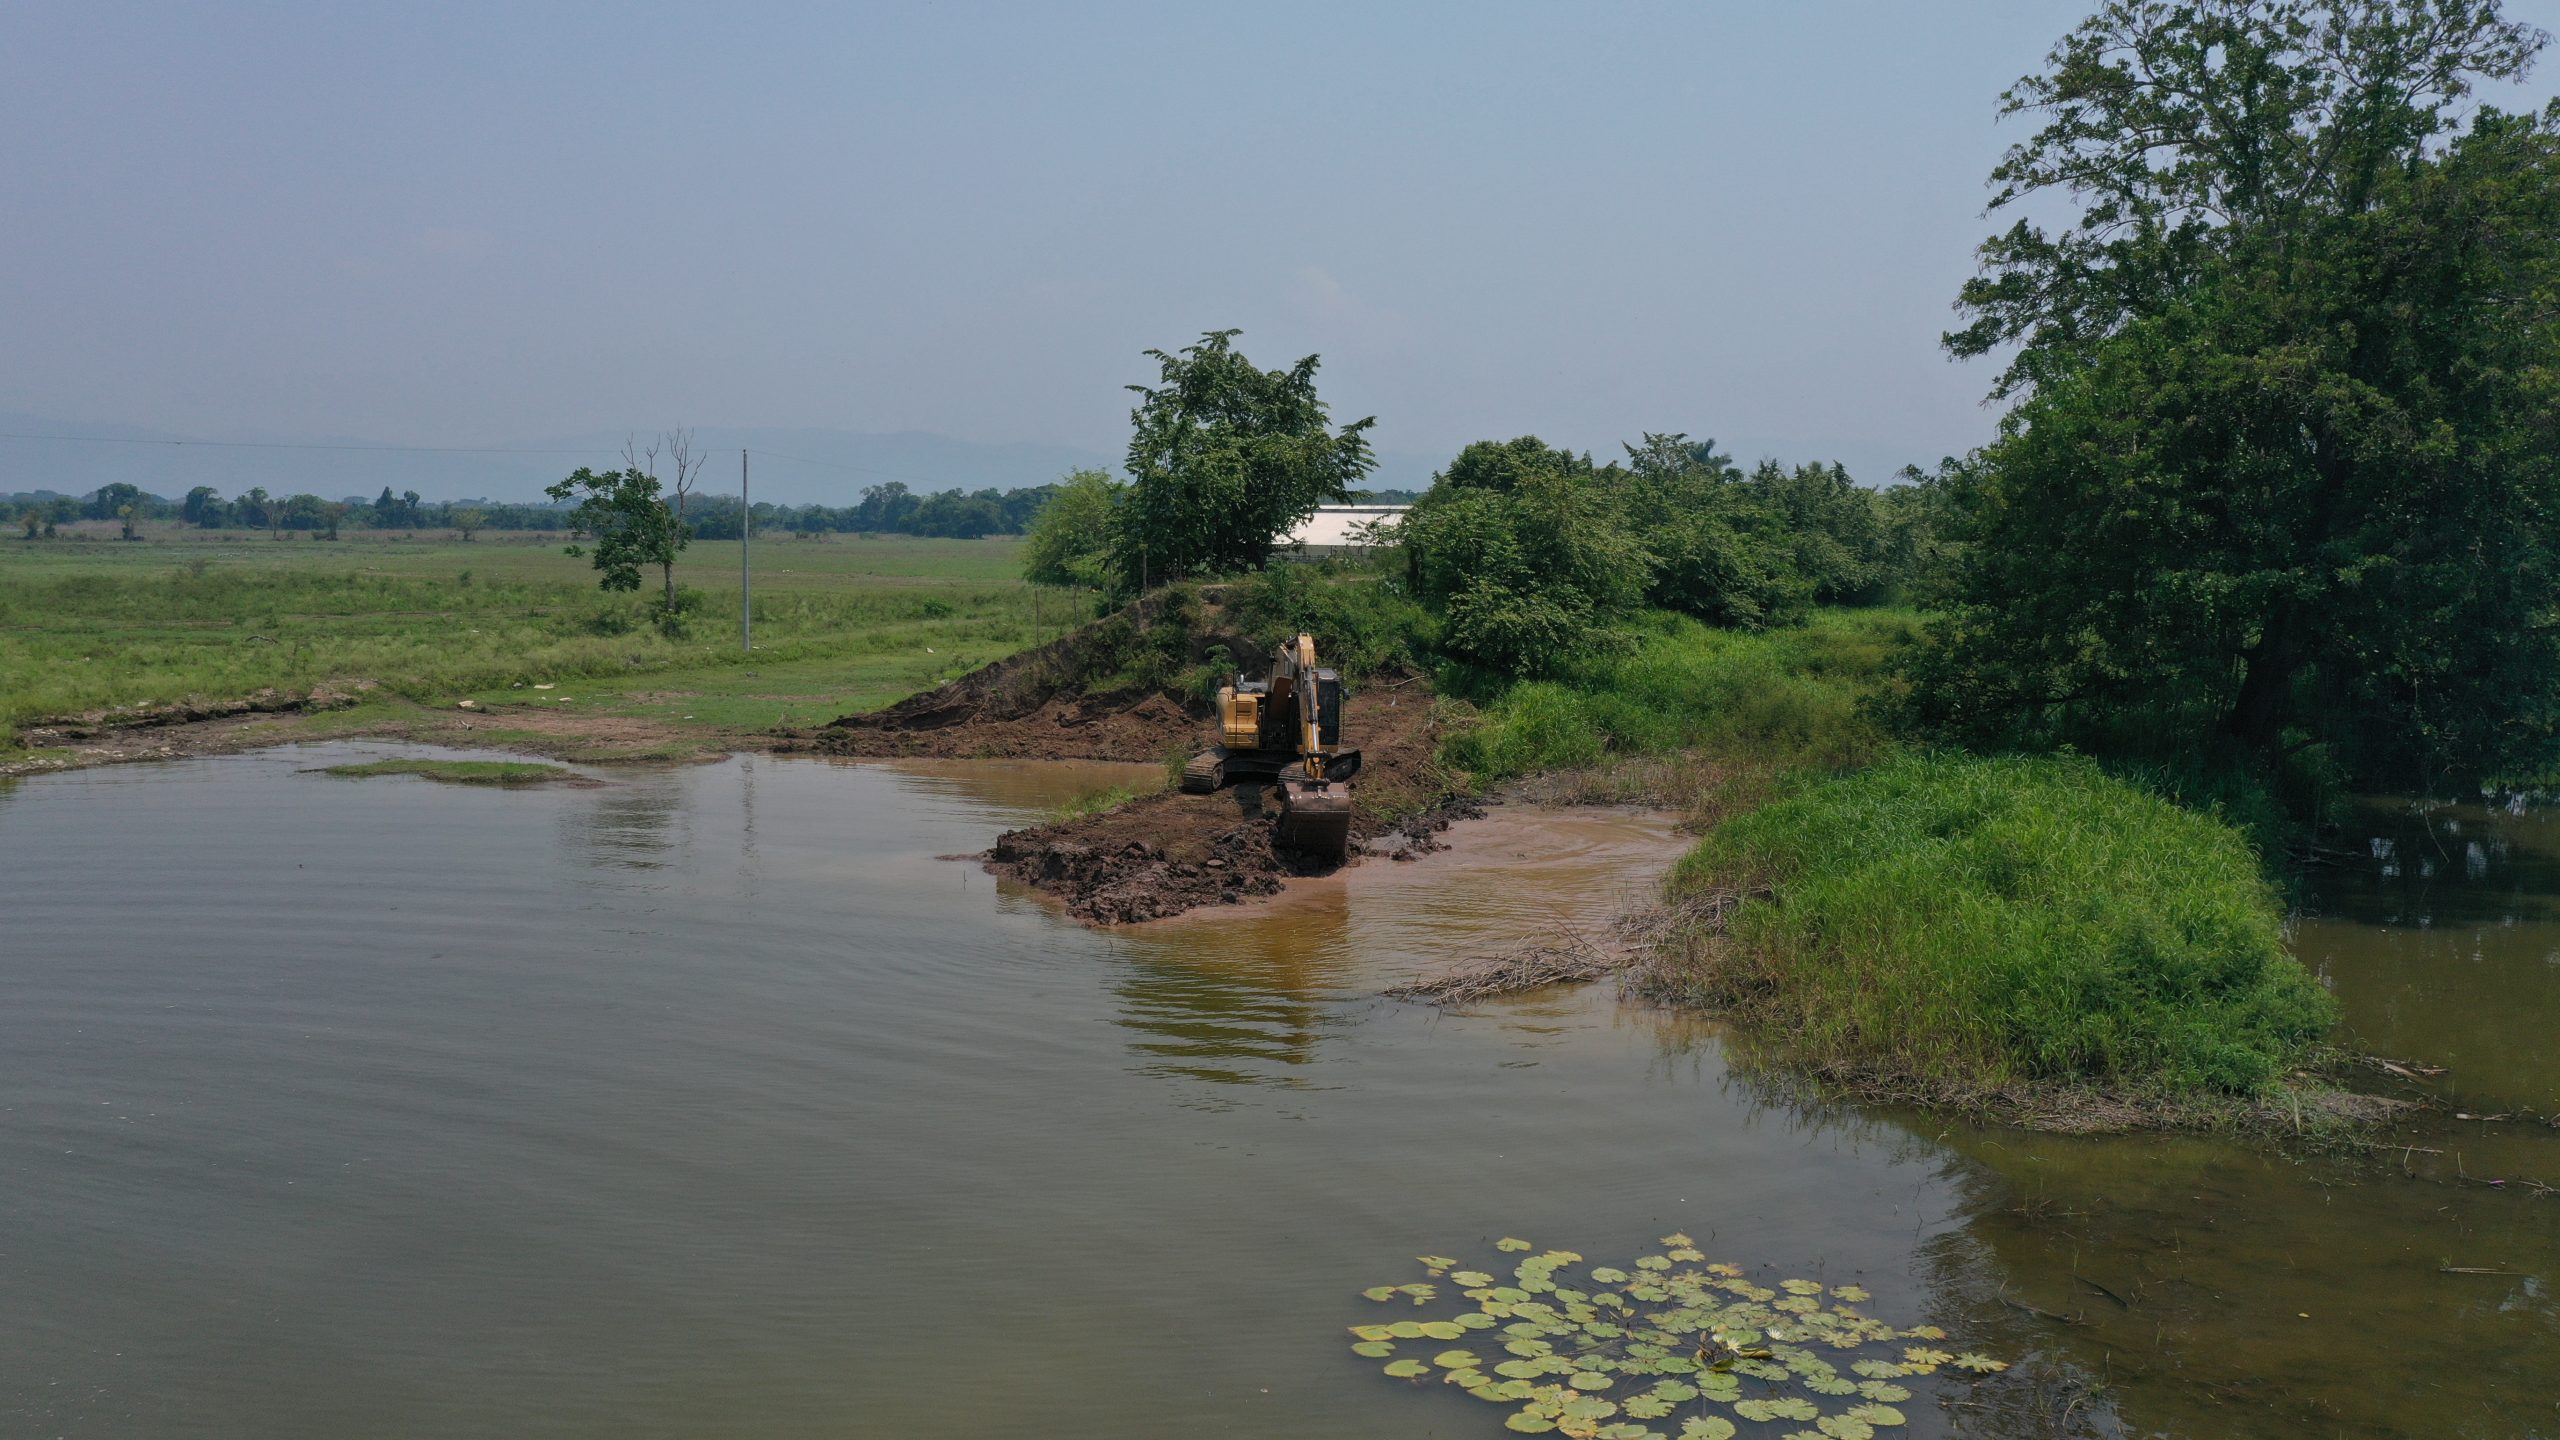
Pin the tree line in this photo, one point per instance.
(886, 509)
(2273, 494)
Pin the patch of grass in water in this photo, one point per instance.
(458, 772)
(1949, 926)
(1099, 801)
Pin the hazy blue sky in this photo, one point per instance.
(471, 223)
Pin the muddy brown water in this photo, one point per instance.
(709, 1102)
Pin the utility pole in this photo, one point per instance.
(746, 577)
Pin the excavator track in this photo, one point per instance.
(1206, 772)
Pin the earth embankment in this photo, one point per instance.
(1085, 696)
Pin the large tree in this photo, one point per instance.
(1526, 552)
(2281, 474)
(1224, 458)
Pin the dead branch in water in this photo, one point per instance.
(1565, 957)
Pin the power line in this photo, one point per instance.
(439, 450)
(305, 445)
(852, 469)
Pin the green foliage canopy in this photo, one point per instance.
(1070, 539)
(629, 526)
(2280, 474)
(1224, 458)
(1527, 553)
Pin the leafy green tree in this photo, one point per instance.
(1719, 551)
(2281, 466)
(1224, 458)
(1527, 553)
(1832, 525)
(1070, 539)
(110, 499)
(629, 525)
(203, 506)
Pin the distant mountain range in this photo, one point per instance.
(788, 466)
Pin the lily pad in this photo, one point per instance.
(1668, 1336)
(1508, 1243)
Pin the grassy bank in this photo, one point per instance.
(1953, 927)
(841, 625)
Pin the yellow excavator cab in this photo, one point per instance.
(1286, 731)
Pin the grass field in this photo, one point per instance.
(841, 625)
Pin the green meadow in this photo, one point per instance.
(842, 624)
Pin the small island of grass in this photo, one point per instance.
(459, 772)
(1997, 931)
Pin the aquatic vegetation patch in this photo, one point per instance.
(459, 772)
(1968, 924)
(1672, 1347)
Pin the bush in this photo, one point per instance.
(1790, 697)
(1968, 924)
(1364, 621)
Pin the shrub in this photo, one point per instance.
(1790, 697)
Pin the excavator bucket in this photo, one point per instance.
(1315, 819)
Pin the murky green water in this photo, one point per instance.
(709, 1102)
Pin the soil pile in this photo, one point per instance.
(1167, 853)
(1060, 701)
(1084, 697)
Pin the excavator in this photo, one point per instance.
(1286, 732)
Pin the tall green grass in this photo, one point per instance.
(1786, 698)
(1969, 924)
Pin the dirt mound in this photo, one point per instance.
(1164, 854)
(1126, 688)
(1059, 701)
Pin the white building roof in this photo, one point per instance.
(1335, 526)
